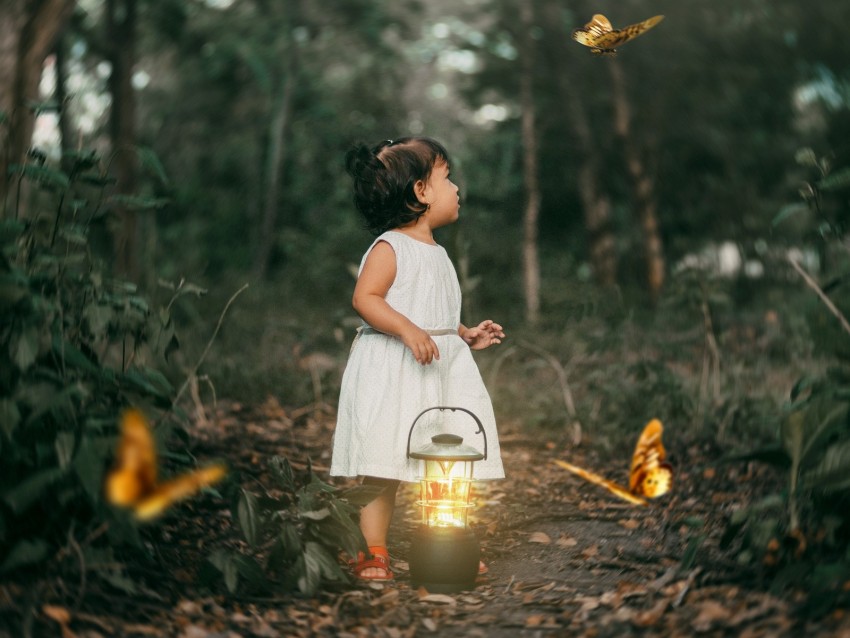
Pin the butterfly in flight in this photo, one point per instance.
(602, 38)
(650, 475)
(133, 482)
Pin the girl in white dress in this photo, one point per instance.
(413, 352)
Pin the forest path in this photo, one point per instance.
(565, 557)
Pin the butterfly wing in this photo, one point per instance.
(590, 33)
(611, 486)
(133, 481)
(177, 489)
(134, 475)
(615, 38)
(650, 475)
(603, 38)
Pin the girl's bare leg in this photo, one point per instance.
(375, 519)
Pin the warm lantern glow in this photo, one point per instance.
(444, 493)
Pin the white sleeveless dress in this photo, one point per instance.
(384, 388)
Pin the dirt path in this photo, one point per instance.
(565, 557)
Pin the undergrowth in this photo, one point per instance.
(798, 535)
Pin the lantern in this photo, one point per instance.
(444, 551)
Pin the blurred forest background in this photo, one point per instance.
(639, 223)
(588, 183)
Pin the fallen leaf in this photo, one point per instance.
(189, 608)
(195, 631)
(426, 597)
(587, 606)
(264, 630)
(535, 620)
(539, 537)
(590, 552)
(650, 617)
(145, 630)
(629, 523)
(389, 597)
(710, 613)
(611, 599)
(566, 541)
(430, 624)
(768, 605)
(58, 614)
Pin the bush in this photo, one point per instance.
(296, 528)
(74, 347)
(801, 532)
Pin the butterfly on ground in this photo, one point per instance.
(650, 475)
(133, 482)
(602, 38)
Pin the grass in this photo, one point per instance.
(599, 361)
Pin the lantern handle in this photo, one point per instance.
(480, 429)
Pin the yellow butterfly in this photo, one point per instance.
(602, 38)
(650, 475)
(133, 481)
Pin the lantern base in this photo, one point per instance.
(444, 560)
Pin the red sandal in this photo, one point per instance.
(379, 559)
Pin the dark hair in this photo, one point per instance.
(384, 177)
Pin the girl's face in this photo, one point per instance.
(441, 193)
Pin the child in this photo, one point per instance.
(413, 352)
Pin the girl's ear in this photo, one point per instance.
(419, 189)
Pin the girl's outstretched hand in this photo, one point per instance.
(484, 335)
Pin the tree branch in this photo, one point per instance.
(203, 356)
(813, 285)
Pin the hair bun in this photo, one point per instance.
(361, 163)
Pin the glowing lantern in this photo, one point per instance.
(444, 551)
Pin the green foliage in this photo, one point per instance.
(800, 535)
(807, 524)
(76, 345)
(634, 393)
(299, 525)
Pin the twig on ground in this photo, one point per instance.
(81, 591)
(687, 586)
(566, 392)
(195, 392)
(194, 371)
(710, 364)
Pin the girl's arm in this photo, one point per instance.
(484, 335)
(370, 302)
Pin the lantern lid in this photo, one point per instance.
(447, 447)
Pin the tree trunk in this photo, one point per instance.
(530, 257)
(28, 32)
(643, 187)
(596, 205)
(281, 116)
(121, 25)
(61, 96)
